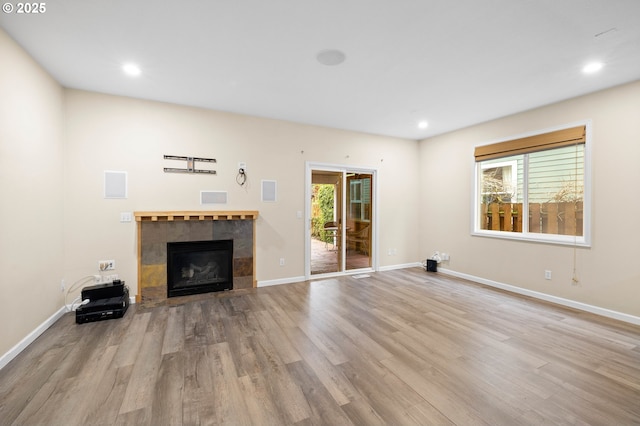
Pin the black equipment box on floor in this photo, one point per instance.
(432, 265)
(106, 301)
(103, 291)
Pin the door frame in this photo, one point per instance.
(310, 166)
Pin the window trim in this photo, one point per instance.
(476, 193)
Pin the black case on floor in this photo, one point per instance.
(432, 265)
(103, 291)
(107, 301)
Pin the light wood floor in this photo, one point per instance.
(397, 348)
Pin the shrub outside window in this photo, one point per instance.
(534, 188)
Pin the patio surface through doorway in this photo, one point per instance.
(324, 258)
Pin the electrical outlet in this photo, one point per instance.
(547, 274)
(106, 265)
(104, 279)
(126, 217)
(282, 261)
(62, 285)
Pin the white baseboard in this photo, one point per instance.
(15, 351)
(280, 281)
(337, 274)
(400, 266)
(31, 337)
(547, 297)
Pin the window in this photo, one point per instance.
(534, 188)
(360, 198)
(499, 181)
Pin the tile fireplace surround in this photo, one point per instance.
(156, 229)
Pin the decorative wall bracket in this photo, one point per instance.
(191, 165)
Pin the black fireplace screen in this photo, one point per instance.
(199, 267)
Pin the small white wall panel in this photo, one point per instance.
(213, 197)
(269, 190)
(115, 184)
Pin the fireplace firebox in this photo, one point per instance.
(195, 267)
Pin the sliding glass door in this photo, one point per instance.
(326, 222)
(358, 223)
(341, 218)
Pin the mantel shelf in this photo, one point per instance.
(170, 216)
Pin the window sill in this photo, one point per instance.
(563, 240)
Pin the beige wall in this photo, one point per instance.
(57, 143)
(116, 133)
(607, 271)
(31, 212)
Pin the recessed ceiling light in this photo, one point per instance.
(131, 69)
(331, 57)
(423, 124)
(592, 67)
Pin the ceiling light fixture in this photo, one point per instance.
(331, 57)
(592, 67)
(423, 124)
(131, 69)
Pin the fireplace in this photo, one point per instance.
(157, 228)
(195, 267)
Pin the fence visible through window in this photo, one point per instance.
(560, 218)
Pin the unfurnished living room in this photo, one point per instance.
(316, 213)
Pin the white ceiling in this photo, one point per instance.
(453, 63)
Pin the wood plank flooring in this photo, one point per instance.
(397, 348)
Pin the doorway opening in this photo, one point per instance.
(341, 217)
